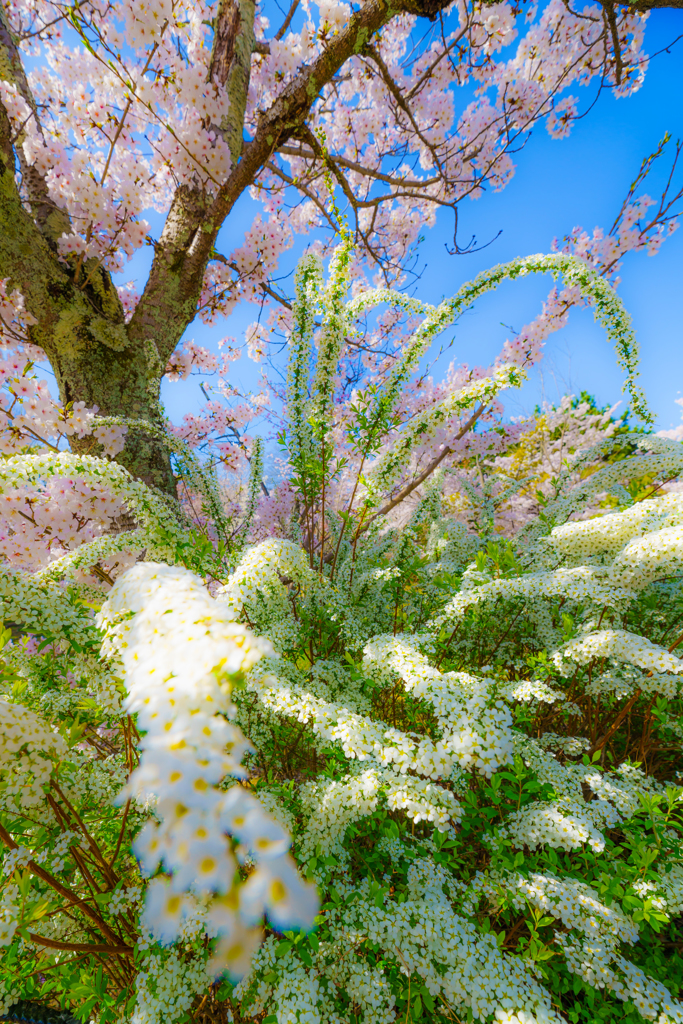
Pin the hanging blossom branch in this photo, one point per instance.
(181, 653)
(394, 445)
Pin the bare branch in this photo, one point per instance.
(81, 947)
(434, 464)
(368, 172)
(288, 20)
(275, 295)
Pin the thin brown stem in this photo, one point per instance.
(121, 833)
(434, 464)
(82, 947)
(288, 20)
(599, 744)
(70, 896)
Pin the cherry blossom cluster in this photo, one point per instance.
(137, 110)
(58, 508)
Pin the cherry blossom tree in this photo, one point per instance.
(381, 112)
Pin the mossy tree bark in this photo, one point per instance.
(97, 357)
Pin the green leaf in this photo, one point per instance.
(427, 999)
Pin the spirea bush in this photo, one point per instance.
(404, 745)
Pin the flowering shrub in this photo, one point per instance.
(458, 723)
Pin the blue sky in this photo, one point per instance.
(581, 181)
(558, 185)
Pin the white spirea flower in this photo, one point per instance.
(609, 533)
(623, 646)
(263, 566)
(475, 722)
(22, 731)
(181, 652)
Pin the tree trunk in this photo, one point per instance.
(120, 383)
(81, 328)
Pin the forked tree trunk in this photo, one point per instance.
(80, 325)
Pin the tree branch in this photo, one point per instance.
(169, 301)
(80, 947)
(288, 20)
(68, 895)
(51, 220)
(367, 172)
(402, 495)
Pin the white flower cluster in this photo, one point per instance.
(623, 646)
(624, 788)
(330, 341)
(476, 723)
(642, 543)
(125, 898)
(453, 959)
(10, 911)
(181, 652)
(650, 557)
(306, 993)
(571, 746)
(330, 806)
(42, 608)
(593, 953)
(297, 994)
(421, 800)
(28, 748)
(423, 936)
(560, 825)
(364, 739)
(667, 892)
(574, 903)
(534, 690)
(568, 822)
(57, 855)
(166, 986)
(309, 287)
(8, 995)
(607, 534)
(575, 584)
(597, 963)
(647, 891)
(265, 566)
